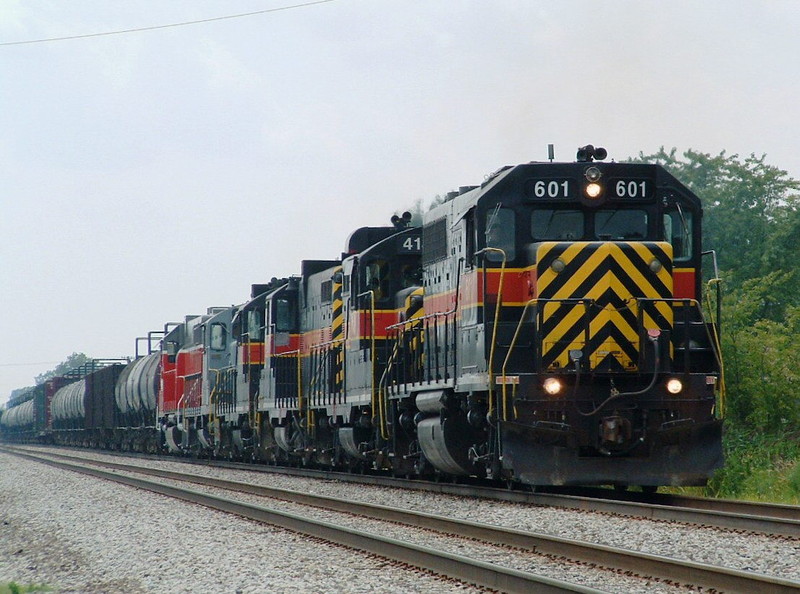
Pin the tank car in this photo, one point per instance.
(28, 417)
(136, 395)
(84, 410)
(24, 417)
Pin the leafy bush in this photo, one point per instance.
(758, 466)
(794, 479)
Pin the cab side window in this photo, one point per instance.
(678, 232)
(377, 278)
(284, 315)
(500, 233)
(219, 336)
(255, 327)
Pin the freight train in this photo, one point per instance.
(546, 327)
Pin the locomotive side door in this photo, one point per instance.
(470, 344)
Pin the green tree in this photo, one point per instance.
(74, 360)
(752, 219)
(751, 213)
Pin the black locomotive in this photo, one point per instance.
(546, 327)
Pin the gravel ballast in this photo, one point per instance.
(226, 554)
(83, 535)
(769, 555)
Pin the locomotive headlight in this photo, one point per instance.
(593, 190)
(558, 265)
(656, 266)
(674, 386)
(552, 386)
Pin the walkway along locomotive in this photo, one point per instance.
(544, 327)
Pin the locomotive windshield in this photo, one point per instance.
(556, 225)
(570, 225)
(620, 224)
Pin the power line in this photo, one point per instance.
(154, 27)
(30, 364)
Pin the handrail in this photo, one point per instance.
(512, 345)
(212, 413)
(373, 394)
(211, 408)
(181, 425)
(496, 312)
(316, 373)
(296, 354)
(717, 343)
(419, 320)
(327, 344)
(698, 305)
(382, 406)
(508, 355)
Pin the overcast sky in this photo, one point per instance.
(149, 175)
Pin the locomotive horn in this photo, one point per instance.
(588, 153)
(585, 153)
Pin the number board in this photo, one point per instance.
(410, 245)
(630, 189)
(550, 189)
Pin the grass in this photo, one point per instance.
(15, 588)
(759, 467)
(777, 485)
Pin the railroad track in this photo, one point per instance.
(764, 518)
(484, 574)
(745, 516)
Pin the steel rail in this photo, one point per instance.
(675, 570)
(453, 566)
(758, 516)
(730, 506)
(765, 518)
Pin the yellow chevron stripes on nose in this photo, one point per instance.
(610, 277)
(337, 328)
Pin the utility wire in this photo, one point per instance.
(184, 24)
(30, 364)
